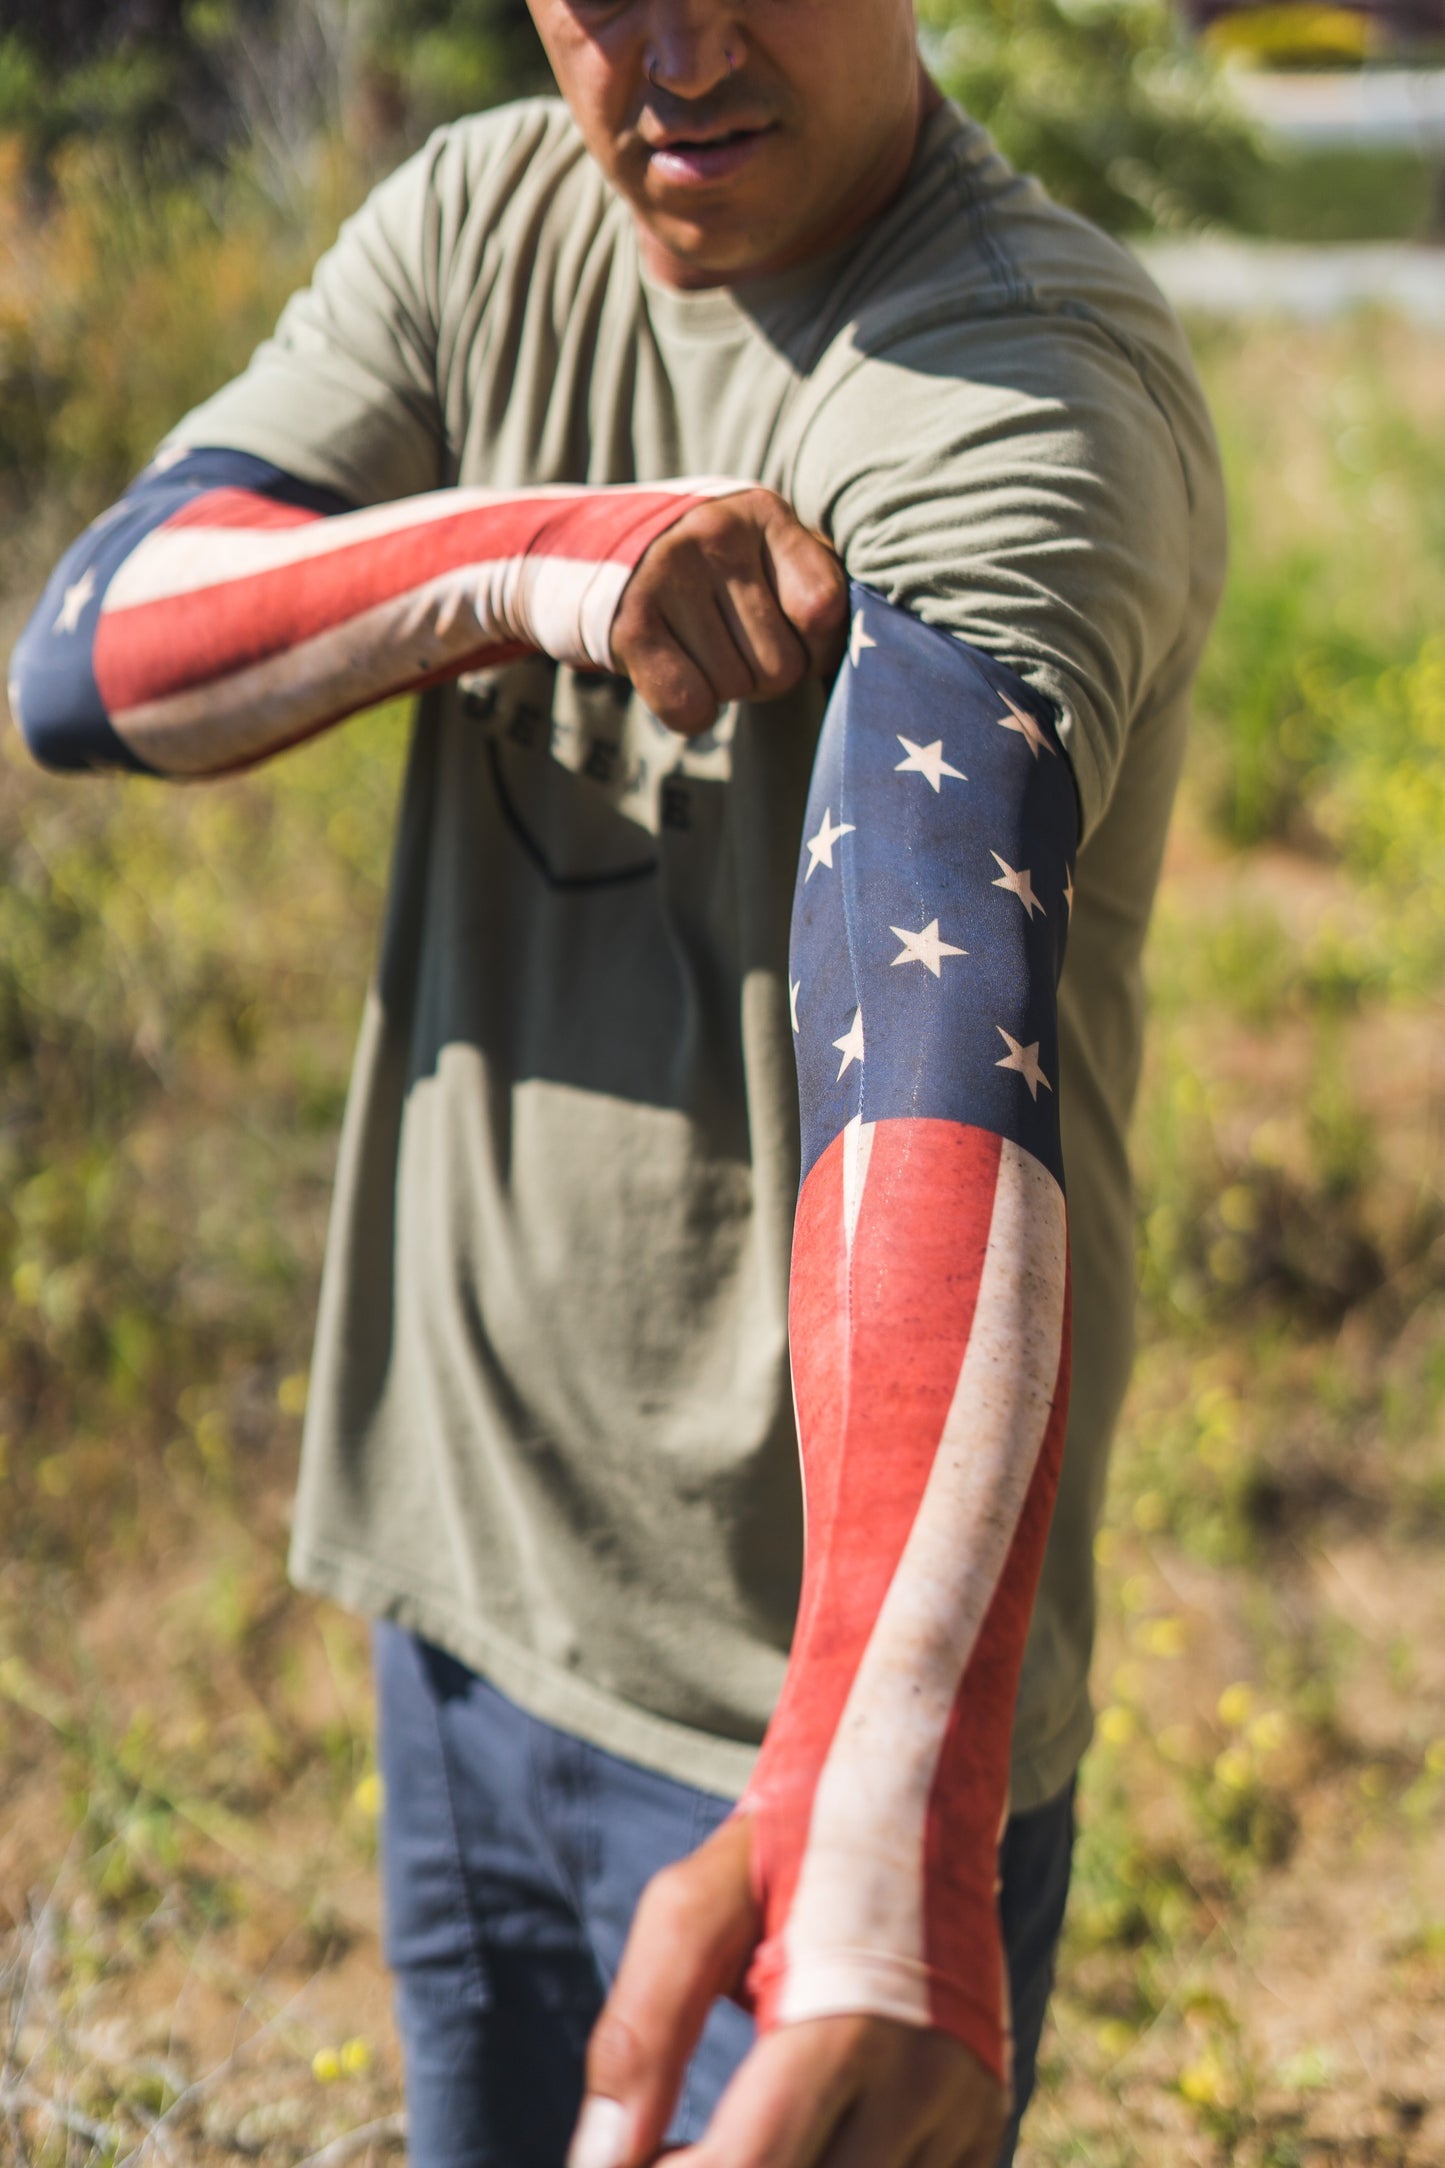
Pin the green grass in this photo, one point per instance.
(1343, 195)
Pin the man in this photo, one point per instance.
(551, 1439)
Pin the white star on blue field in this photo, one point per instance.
(934, 893)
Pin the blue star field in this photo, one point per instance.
(934, 893)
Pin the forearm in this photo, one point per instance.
(208, 622)
(929, 1332)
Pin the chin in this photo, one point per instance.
(718, 255)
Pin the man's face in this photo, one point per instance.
(746, 135)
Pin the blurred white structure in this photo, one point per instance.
(1313, 283)
(1348, 108)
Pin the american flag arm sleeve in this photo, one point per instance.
(222, 610)
(929, 1327)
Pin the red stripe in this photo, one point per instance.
(873, 1395)
(240, 508)
(154, 649)
(966, 1808)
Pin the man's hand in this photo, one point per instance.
(835, 2092)
(737, 601)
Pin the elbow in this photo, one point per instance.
(41, 721)
(56, 706)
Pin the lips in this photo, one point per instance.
(691, 162)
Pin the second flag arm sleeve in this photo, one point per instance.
(222, 610)
(929, 1328)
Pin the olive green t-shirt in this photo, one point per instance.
(550, 1425)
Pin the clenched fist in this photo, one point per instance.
(737, 601)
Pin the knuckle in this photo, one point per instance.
(833, 596)
(616, 2058)
(639, 620)
(823, 596)
(687, 713)
(668, 1902)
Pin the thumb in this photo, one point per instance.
(691, 1938)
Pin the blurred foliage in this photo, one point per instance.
(196, 275)
(178, 978)
(1340, 194)
(127, 73)
(1108, 101)
(193, 81)
(455, 56)
(1323, 696)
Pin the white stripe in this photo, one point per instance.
(238, 718)
(857, 1151)
(856, 1928)
(184, 560)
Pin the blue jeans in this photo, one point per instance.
(513, 1855)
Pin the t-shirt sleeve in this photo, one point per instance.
(1014, 483)
(344, 393)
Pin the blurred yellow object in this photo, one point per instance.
(326, 2066)
(1239, 1209)
(368, 1797)
(291, 1394)
(1205, 2084)
(1117, 1726)
(1115, 2038)
(1151, 1512)
(1268, 1731)
(356, 2058)
(1295, 36)
(1236, 1705)
(1165, 1637)
(1234, 1769)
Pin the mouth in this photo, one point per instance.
(691, 161)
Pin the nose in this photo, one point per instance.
(692, 46)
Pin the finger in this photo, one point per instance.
(811, 587)
(681, 656)
(783, 2106)
(693, 1931)
(960, 2140)
(667, 680)
(699, 621)
(775, 655)
(886, 2129)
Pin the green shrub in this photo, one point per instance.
(1106, 100)
(194, 273)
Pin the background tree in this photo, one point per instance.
(1109, 101)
